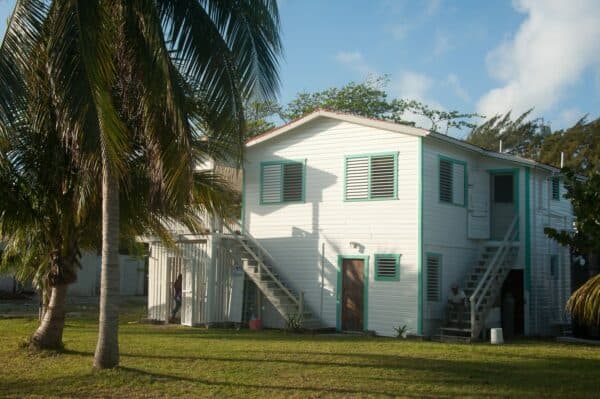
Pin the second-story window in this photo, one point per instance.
(371, 177)
(282, 181)
(453, 181)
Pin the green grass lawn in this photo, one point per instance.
(169, 361)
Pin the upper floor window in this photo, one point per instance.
(371, 177)
(453, 181)
(282, 181)
(556, 188)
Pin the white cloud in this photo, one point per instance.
(411, 85)
(454, 83)
(432, 6)
(355, 61)
(555, 44)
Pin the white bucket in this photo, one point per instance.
(496, 336)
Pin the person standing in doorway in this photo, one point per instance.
(177, 287)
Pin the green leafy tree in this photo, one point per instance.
(123, 73)
(522, 136)
(580, 145)
(584, 195)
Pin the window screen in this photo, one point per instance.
(503, 188)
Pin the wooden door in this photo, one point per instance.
(353, 294)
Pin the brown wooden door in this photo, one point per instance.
(353, 294)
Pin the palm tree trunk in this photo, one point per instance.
(49, 333)
(107, 348)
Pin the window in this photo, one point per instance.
(434, 277)
(387, 267)
(453, 181)
(371, 177)
(282, 181)
(556, 188)
(554, 267)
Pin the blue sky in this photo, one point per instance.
(472, 56)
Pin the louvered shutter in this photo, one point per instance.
(382, 176)
(446, 176)
(292, 181)
(357, 178)
(433, 278)
(555, 188)
(387, 267)
(458, 183)
(271, 183)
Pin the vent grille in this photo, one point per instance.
(387, 267)
(434, 278)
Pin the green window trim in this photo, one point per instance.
(396, 276)
(465, 180)
(281, 184)
(555, 188)
(369, 184)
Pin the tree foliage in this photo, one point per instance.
(368, 99)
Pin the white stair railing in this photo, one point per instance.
(262, 267)
(486, 282)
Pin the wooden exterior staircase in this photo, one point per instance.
(260, 267)
(483, 287)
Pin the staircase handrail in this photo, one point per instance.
(261, 264)
(485, 281)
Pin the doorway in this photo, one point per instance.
(504, 199)
(512, 304)
(353, 273)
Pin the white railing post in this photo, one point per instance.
(485, 283)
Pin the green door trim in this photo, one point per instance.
(338, 291)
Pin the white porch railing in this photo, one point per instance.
(489, 280)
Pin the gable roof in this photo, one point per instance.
(392, 127)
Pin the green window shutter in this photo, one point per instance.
(446, 176)
(282, 182)
(383, 176)
(387, 267)
(371, 177)
(271, 184)
(434, 277)
(556, 188)
(452, 181)
(357, 178)
(293, 182)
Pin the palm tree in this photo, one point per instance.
(122, 73)
(584, 303)
(49, 210)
